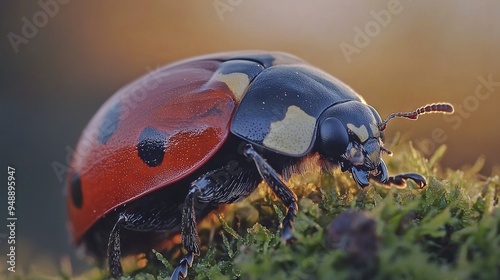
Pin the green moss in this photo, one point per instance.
(448, 230)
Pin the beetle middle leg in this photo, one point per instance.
(287, 196)
(232, 182)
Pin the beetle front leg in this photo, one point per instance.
(287, 196)
(400, 179)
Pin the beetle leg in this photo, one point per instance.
(114, 251)
(190, 239)
(181, 271)
(219, 186)
(147, 216)
(284, 193)
(400, 179)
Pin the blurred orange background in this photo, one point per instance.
(60, 60)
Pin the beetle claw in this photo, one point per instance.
(179, 273)
(181, 270)
(417, 178)
(400, 179)
(287, 236)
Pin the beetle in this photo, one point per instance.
(167, 149)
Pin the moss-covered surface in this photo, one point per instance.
(448, 230)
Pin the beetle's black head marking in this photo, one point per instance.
(351, 121)
(350, 134)
(333, 137)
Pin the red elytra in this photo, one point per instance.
(113, 174)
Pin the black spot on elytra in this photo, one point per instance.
(76, 190)
(109, 123)
(151, 146)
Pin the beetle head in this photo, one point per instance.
(351, 134)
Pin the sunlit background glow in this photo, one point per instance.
(397, 54)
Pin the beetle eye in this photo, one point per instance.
(333, 137)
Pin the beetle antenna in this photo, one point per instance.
(385, 150)
(445, 108)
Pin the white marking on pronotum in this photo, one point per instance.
(361, 131)
(237, 82)
(293, 134)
